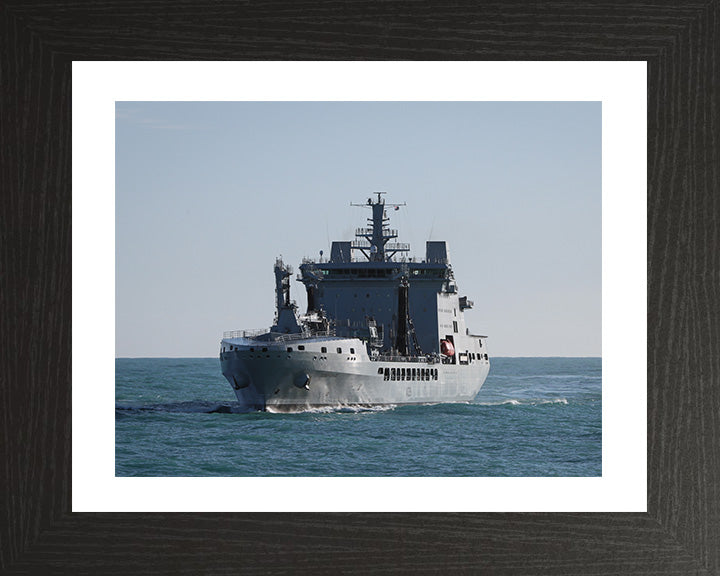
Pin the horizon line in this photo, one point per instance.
(216, 358)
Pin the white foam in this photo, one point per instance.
(526, 402)
(334, 409)
(555, 401)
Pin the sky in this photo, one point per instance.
(208, 194)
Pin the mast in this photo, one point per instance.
(373, 242)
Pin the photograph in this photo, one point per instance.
(185, 186)
(369, 288)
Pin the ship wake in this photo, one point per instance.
(192, 407)
(524, 402)
(336, 409)
(200, 407)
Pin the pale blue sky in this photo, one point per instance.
(209, 193)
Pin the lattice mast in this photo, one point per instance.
(373, 242)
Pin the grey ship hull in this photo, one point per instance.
(266, 376)
(368, 301)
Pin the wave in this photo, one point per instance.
(524, 402)
(547, 377)
(195, 407)
(335, 409)
(200, 407)
(339, 409)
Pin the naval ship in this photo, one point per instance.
(381, 328)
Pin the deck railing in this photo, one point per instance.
(245, 333)
(278, 337)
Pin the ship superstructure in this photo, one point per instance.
(380, 328)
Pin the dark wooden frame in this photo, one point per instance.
(680, 533)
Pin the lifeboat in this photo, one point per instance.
(447, 348)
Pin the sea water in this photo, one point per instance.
(533, 417)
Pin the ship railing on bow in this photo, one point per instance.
(277, 336)
(245, 333)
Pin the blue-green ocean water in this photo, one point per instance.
(533, 417)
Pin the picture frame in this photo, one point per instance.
(680, 532)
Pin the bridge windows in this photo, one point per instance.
(301, 347)
(323, 349)
(339, 350)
